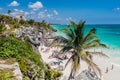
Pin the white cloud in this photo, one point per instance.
(35, 6)
(14, 3)
(41, 15)
(44, 14)
(55, 12)
(17, 10)
(32, 12)
(49, 15)
(26, 13)
(69, 19)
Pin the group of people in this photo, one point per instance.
(107, 70)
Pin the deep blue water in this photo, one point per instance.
(108, 34)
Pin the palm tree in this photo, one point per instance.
(78, 43)
(9, 11)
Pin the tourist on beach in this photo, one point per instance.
(112, 67)
(106, 70)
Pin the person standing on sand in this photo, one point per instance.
(112, 67)
(106, 70)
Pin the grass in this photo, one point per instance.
(23, 53)
(7, 74)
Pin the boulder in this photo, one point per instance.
(87, 75)
(10, 71)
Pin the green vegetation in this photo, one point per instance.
(23, 53)
(14, 50)
(52, 74)
(30, 63)
(16, 23)
(2, 28)
(7, 74)
(79, 43)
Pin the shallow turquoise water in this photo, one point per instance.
(108, 34)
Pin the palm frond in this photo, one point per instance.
(79, 32)
(67, 48)
(64, 49)
(69, 32)
(81, 26)
(91, 35)
(98, 53)
(60, 39)
(69, 60)
(91, 63)
(91, 44)
(65, 30)
(103, 45)
(72, 32)
(74, 25)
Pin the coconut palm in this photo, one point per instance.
(77, 42)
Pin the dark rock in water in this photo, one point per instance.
(87, 75)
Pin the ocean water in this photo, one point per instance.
(108, 34)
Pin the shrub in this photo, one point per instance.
(2, 28)
(7, 74)
(29, 61)
(16, 25)
(52, 74)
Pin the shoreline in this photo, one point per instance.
(104, 64)
(111, 65)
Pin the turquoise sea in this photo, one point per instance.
(108, 34)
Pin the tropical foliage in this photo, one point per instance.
(7, 74)
(24, 55)
(78, 43)
(2, 28)
(51, 74)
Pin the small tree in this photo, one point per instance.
(31, 22)
(9, 11)
(21, 17)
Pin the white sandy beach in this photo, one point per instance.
(103, 63)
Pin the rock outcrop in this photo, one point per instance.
(37, 38)
(10, 71)
(87, 75)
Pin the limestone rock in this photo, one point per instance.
(12, 71)
(87, 75)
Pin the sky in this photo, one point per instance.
(62, 11)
